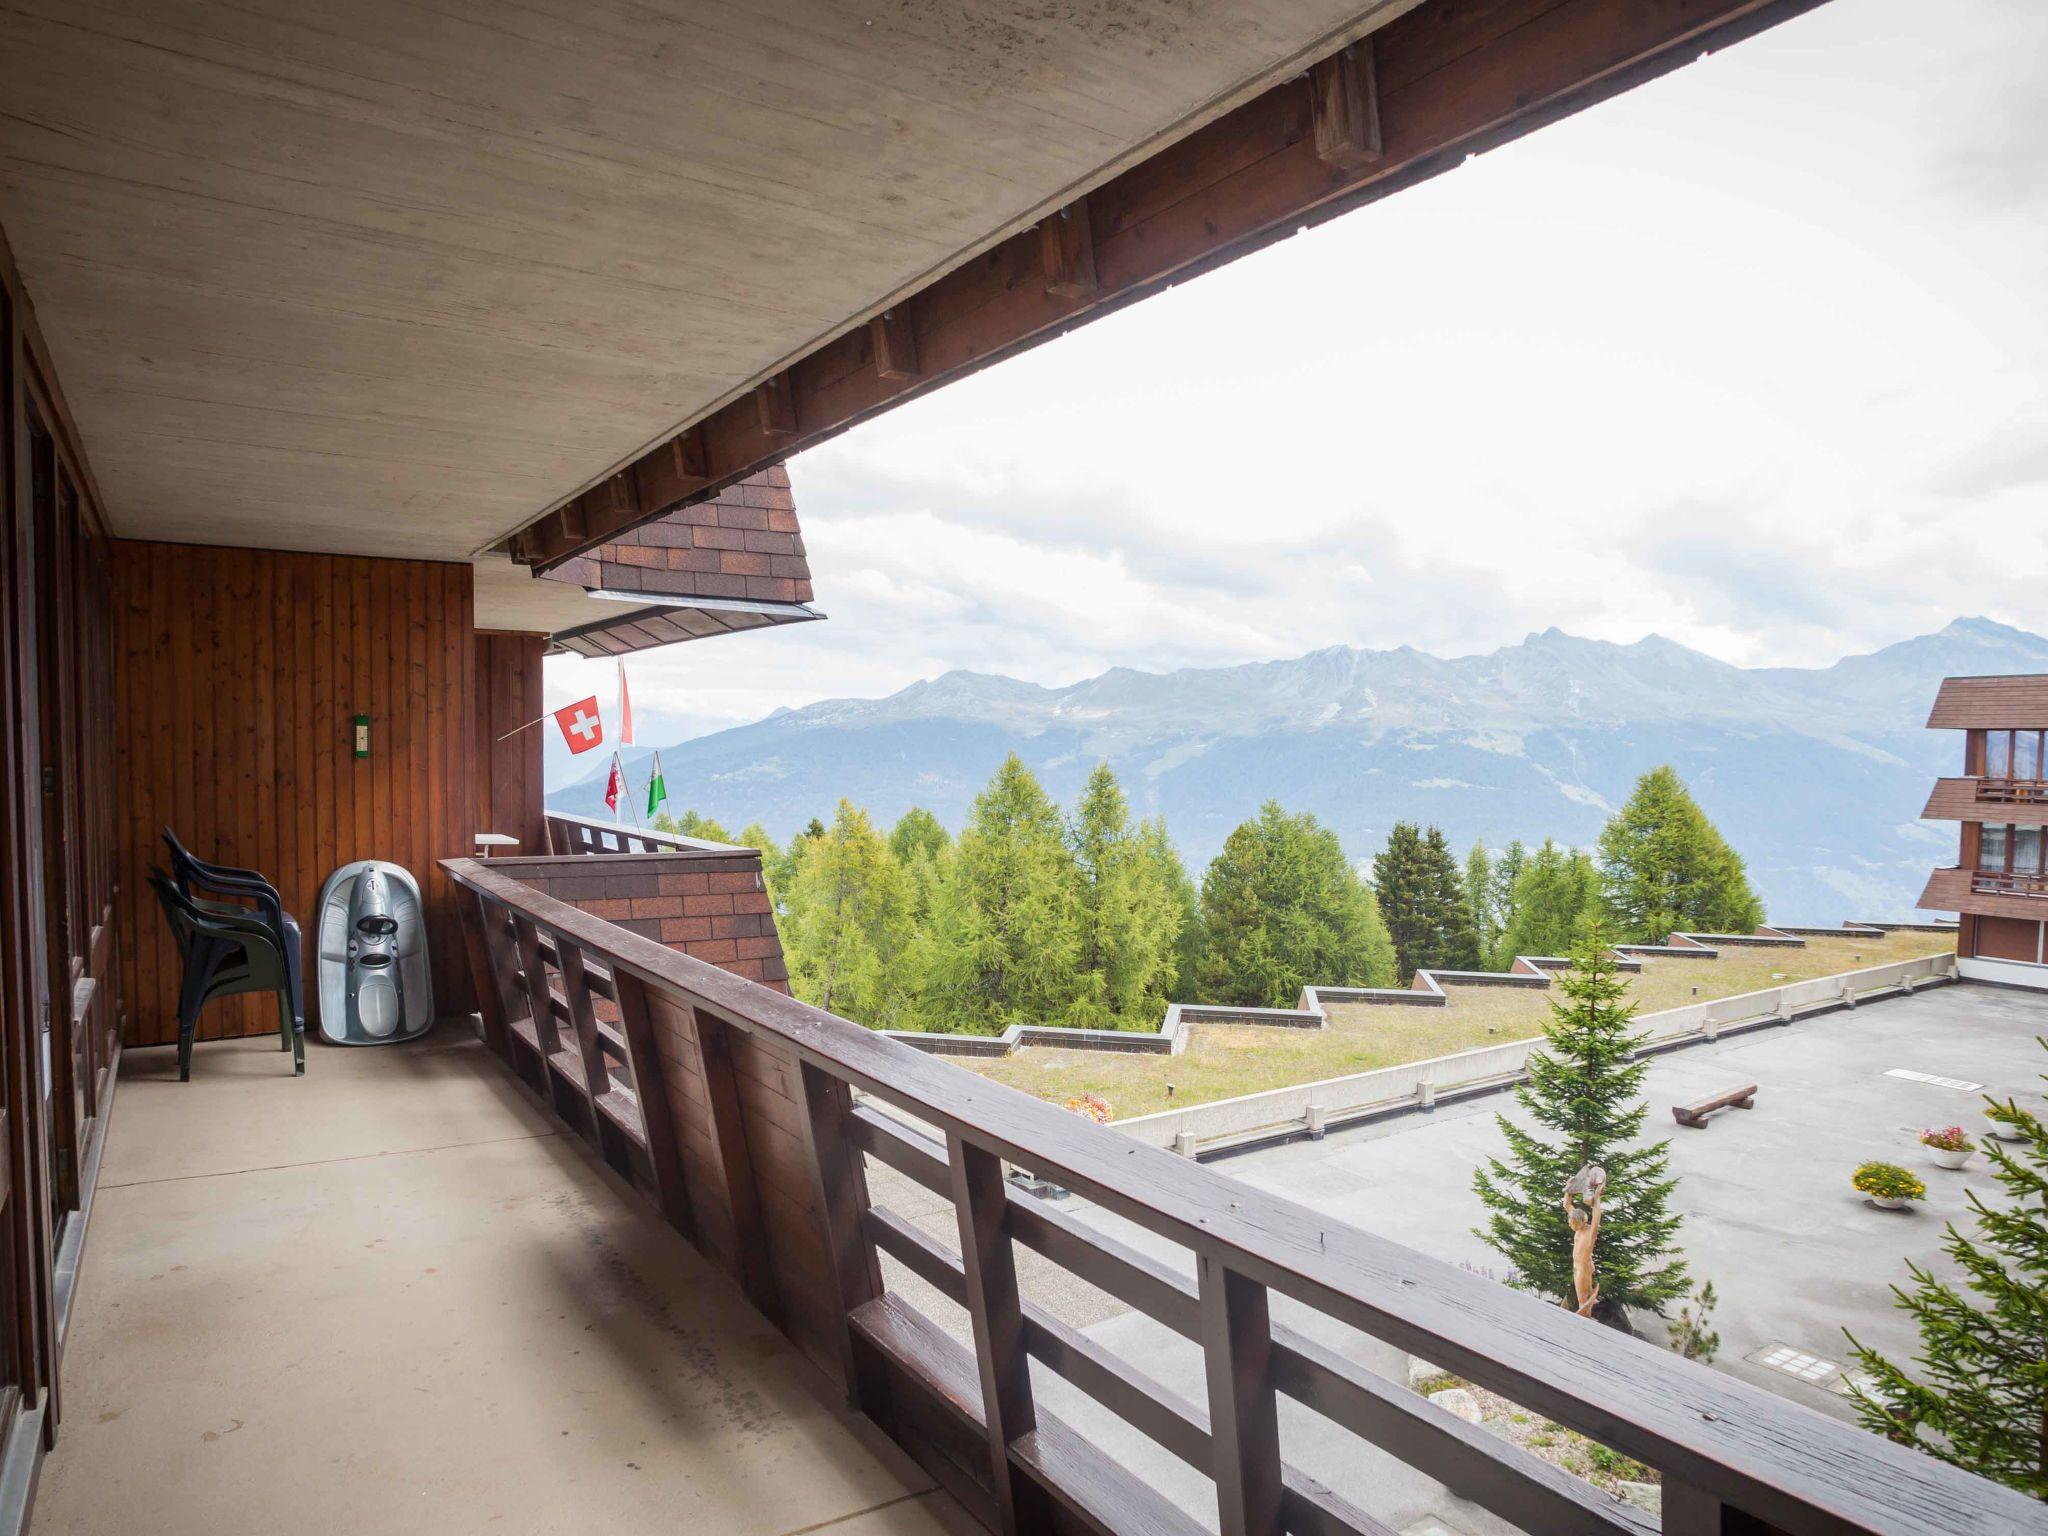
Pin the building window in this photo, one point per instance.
(2026, 754)
(1997, 755)
(2026, 852)
(1992, 843)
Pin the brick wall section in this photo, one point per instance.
(710, 906)
(744, 542)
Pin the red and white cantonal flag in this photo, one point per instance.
(580, 724)
(625, 709)
(614, 784)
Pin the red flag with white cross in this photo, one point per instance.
(580, 724)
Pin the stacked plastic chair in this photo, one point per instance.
(234, 936)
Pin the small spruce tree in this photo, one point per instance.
(1981, 1400)
(1584, 1089)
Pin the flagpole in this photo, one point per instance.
(526, 727)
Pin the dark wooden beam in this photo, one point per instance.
(894, 343)
(1066, 247)
(1449, 79)
(775, 407)
(1344, 107)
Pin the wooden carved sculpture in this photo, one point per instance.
(1582, 1196)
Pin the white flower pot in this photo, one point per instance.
(1891, 1202)
(2006, 1132)
(1949, 1157)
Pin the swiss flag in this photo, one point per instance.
(580, 724)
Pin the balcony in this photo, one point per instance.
(1986, 884)
(397, 1296)
(807, 1158)
(2020, 801)
(2012, 791)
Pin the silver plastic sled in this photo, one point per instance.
(375, 986)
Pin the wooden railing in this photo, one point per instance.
(2013, 791)
(735, 1107)
(580, 834)
(1993, 884)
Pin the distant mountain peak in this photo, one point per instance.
(1816, 774)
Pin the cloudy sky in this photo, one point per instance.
(1755, 356)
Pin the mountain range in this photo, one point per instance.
(1816, 775)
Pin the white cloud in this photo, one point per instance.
(1752, 356)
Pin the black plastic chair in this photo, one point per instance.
(196, 879)
(226, 953)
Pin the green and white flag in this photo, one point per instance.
(657, 790)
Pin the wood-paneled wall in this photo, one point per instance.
(509, 790)
(240, 675)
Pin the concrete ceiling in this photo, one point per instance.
(392, 278)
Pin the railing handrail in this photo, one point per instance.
(1773, 1458)
(643, 834)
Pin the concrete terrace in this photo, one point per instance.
(1795, 1254)
(394, 1296)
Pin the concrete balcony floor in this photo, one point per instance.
(394, 1296)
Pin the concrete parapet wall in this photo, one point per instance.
(1311, 1108)
(1425, 991)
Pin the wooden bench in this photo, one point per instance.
(1695, 1115)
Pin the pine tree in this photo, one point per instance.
(1005, 937)
(1982, 1400)
(1555, 894)
(849, 924)
(1664, 867)
(1422, 900)
(1457, 939)
(1282, 908)
(1583, 1089)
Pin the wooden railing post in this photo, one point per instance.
(526, 939)
(1691, 1511)
(736, 1164)
(582, 1018)
(650, 1089)
(981, 1204)
(840, 1186)
(493, 962)
(1244, 1421)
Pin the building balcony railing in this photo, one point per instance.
(1989, 884)
(2013, 791)
(582, 834)
(735, 1107)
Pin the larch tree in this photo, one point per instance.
(1283, 908)
(1555, 895)
(916, 831)
(1979, 1398)
(1665, 867)
(755, 836)
(849, 924)
(1507, 869)
(1584, 1095)
(1005, 939)
(1128, 909)
(1479, 901)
